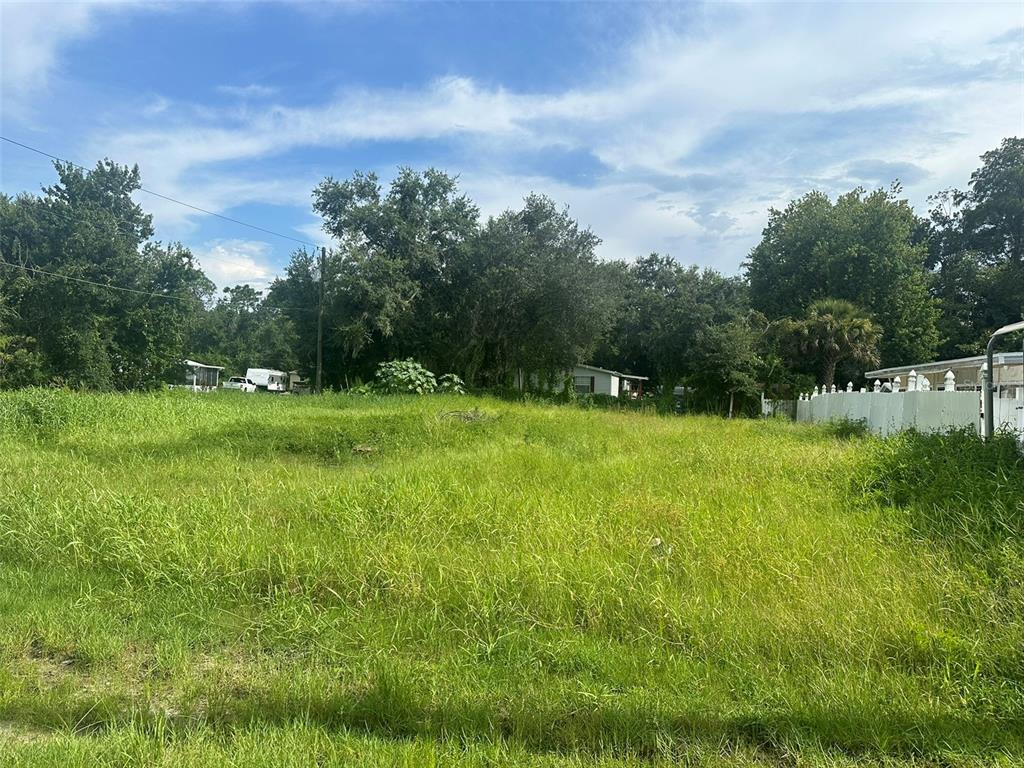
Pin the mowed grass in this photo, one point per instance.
(246, 580)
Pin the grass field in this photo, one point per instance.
(244, 580)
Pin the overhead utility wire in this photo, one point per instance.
(111, 286)
(117, 222)
(118, 230)
(126, 289)
(169, 199)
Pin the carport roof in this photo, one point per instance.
(941, 366)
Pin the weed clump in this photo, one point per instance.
(959, 486)
(847, 429)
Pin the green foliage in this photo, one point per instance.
(520, 297)
(964, 497)
(534, 299)
(387, 282)
(963, 489)
(994, 216)
(834, 330)
(522, 292)
(684, 326)
(862, 248)
(976, 242)
(20, 363)
(847, 429)
(242, 330)
(451, 384)
(87, 228)
(404, 377)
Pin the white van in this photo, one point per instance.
(268, 379)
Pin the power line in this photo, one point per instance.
(118, 223)
(168, 198)
(126, 289)
(118, 226)
(111, 286)
(121, 228)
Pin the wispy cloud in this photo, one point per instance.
(251, 91)
(30, 41)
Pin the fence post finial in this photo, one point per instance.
(833, 390)
(815, 391)
(849, 386)
(878, 385)
(896, 384)
(949, 382)
(912, 380)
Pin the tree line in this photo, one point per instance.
(89, 299)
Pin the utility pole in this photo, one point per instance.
(320, 325)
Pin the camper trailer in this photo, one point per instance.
(267, 379)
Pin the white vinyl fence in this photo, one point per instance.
(886, 412)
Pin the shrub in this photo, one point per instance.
(451, 384)
(404, 377)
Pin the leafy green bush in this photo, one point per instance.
(404, 377)
(451, 384)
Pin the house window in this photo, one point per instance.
(584, 385)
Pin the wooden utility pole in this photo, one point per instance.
(320, 325)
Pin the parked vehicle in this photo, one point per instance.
(268, 379)
(240, 383)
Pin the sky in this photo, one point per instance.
(663, 127)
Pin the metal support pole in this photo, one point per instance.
(320, 325)
(989, 382)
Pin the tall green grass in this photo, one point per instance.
(256, 580)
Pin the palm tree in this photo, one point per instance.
(836, 330)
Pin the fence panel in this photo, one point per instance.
(888, 412)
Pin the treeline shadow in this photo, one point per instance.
(391, 712)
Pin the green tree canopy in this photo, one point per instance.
(72, 249)
(833, 330)
(861, 248)
(243, 330)
(976, 247)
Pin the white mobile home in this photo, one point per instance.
(591, 380)
(268, 379)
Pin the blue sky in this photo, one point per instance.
(664, 127)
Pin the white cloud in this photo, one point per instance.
(314, 232)
(234, 262)
(700, 124)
